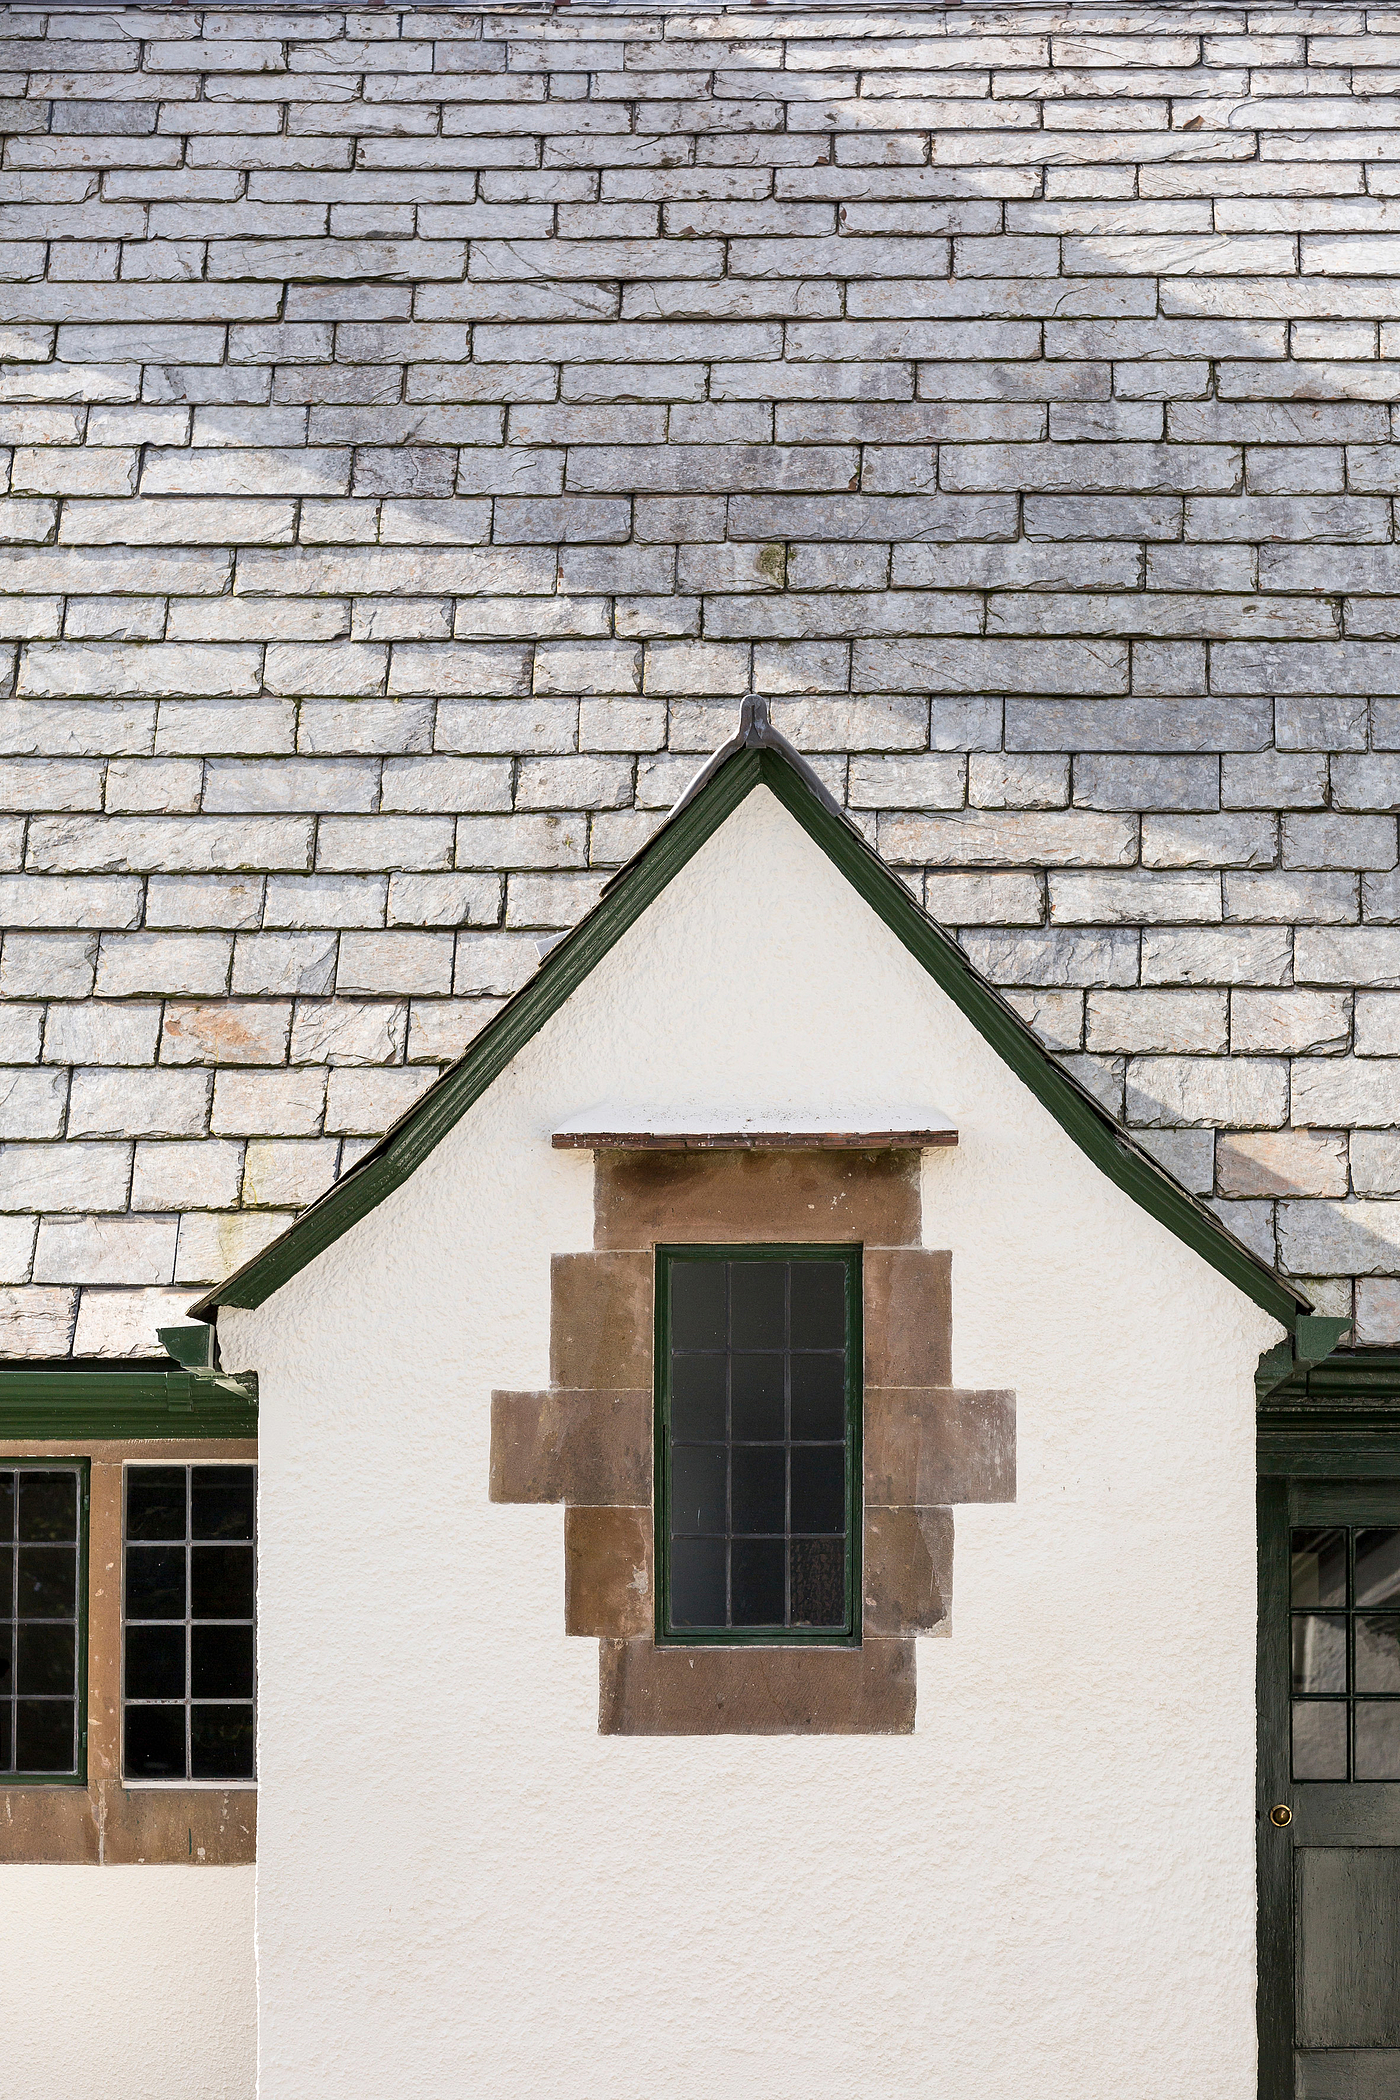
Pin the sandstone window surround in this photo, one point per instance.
(587, 1441)
(106, 1418)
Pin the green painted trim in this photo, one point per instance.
(1274, 1848)
(1351, 1377)
(86, 1403)
(53, 1462)
(767, 1636)
(409, 1142)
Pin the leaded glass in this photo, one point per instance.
(1345, 1628)
(40, 1620)
(188, 1676)
(759, 1442)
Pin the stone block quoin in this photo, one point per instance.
(587, 1440)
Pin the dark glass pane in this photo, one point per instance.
(1320, 1568)
(697, 1397)
(155, 1502)
(7, 1763)
(819, 1487)
(7, 1577)
(221, 1662)
(697, 1304)
(697, 1488)
(7, 1657)
(155, 1742)
(44, 1735)
(7, 1505)
(818, 1578)
(221, 1502)
(155, 1662)
(155, 1582)
(221, 1742)
(818, 1396)
(697, 1582)
(47, 1581)
(1319, 1653)
(45, 1662)
(818, 1305)
(1319, 1739)
(758, 1304)
(221, 1582)
(1378, 1567)
(1378, 1654)
(758, 1487)
(48, 1505)
(756, 1582)
(757, 1406)
(1377, 1739)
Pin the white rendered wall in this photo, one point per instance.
(1047, 1890)
(127, 1983)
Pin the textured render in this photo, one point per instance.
(130, 1982)
(422, 427)
(623, 1917)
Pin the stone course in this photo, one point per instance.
(422, 427)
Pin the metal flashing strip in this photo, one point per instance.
(753, 1140)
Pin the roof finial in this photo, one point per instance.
(754, 725)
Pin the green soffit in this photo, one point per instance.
(757, 756)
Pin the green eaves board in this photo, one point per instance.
(766, 759)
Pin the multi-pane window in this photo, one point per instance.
(758, 1443)
(188, 1622)
(1346, 1652)
(42, 1581)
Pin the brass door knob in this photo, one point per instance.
(1281, 1815)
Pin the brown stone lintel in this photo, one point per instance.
(833, 1197)
(600, 1332)
(931, 1446)
(908, 1316)
(567, 1446)
(907, 1571)
(607, 1572)
(646, 1690)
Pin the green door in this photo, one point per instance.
(1329, 1790)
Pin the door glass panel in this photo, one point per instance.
(1346, 1653)
(1319, 1651)
(1378, 1652)
(1378, 1566)
(1319, 1568)
(1319, 1739)
(1378, 1739)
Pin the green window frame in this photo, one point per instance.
(11, 1614)
(848, 1632)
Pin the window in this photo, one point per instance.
(1346, 1653)
(188, 1622)
(43, 1620)
(758, 1444)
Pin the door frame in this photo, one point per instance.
(1337, 1421)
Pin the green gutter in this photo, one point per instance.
(84, 1401)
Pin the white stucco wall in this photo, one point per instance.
(1047, 1889)
(127, 1983)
